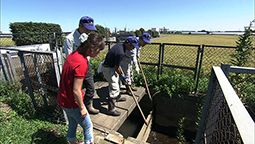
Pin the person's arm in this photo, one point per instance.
(117, 69)
(78, 96)
(122, 76)
(68, 46)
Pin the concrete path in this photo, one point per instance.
(106, 126)
(103, 120)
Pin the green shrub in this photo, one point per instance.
(170, 83)
(243, 83)
(21, 124)
(95, 64)
(28, 33)
(20, 102)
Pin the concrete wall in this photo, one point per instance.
(170, 110)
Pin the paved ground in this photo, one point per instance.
(105, 126)
(100, 102)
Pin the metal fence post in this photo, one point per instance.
(200, 66)
(162, 58)
(57, 72)
(4, 68)
(12, 70)
(196, 67)
(206, 107)
(159, 60)
(39, 79)
(225, 68)
(24, 68)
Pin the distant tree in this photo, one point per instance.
(101, 30)
(142, 30)
(150, 32)
(138, 33)
(155, 34)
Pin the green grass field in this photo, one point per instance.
(186, 55)
(222, 40)
(6, 42)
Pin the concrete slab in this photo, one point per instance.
(103, 120)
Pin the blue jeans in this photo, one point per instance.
(74, 118)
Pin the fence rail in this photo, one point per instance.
(224, 118)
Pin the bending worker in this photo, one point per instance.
(111, 71)
(130, 59)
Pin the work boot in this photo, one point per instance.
(91, 109)
(111, 107)
(120, 99)
(133, 88)
(128, 91)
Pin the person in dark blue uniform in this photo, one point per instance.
(112, 73)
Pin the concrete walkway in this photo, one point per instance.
(100, 102)
(105, 126)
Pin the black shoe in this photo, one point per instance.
(119, 99)
(128, 92)
(133, 88)
(114, 113)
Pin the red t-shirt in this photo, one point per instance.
(75, 66)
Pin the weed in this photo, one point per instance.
(180, 131)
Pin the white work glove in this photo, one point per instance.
(83, 37)
(137, 69)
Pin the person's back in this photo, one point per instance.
(72, 42)
(115, 55)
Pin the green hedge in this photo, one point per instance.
(28, 33)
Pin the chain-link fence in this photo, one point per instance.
(39, 73)
(224, 118)
(181, 56)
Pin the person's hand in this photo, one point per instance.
(123, 79)
(137, 56)
(137, 69)
(84, 112)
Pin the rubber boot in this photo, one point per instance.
(111, 107)
(91, 109)
(88, 101)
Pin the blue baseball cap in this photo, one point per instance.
(146, 37)
(88, 23)
(132, 40)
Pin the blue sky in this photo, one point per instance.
(133, 14)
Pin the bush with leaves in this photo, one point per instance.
(171, 83)
(243, 83)
(19, 101)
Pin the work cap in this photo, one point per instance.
(132, 40)
(88, 23)
(146, 37)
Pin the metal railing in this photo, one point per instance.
(224, 118)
